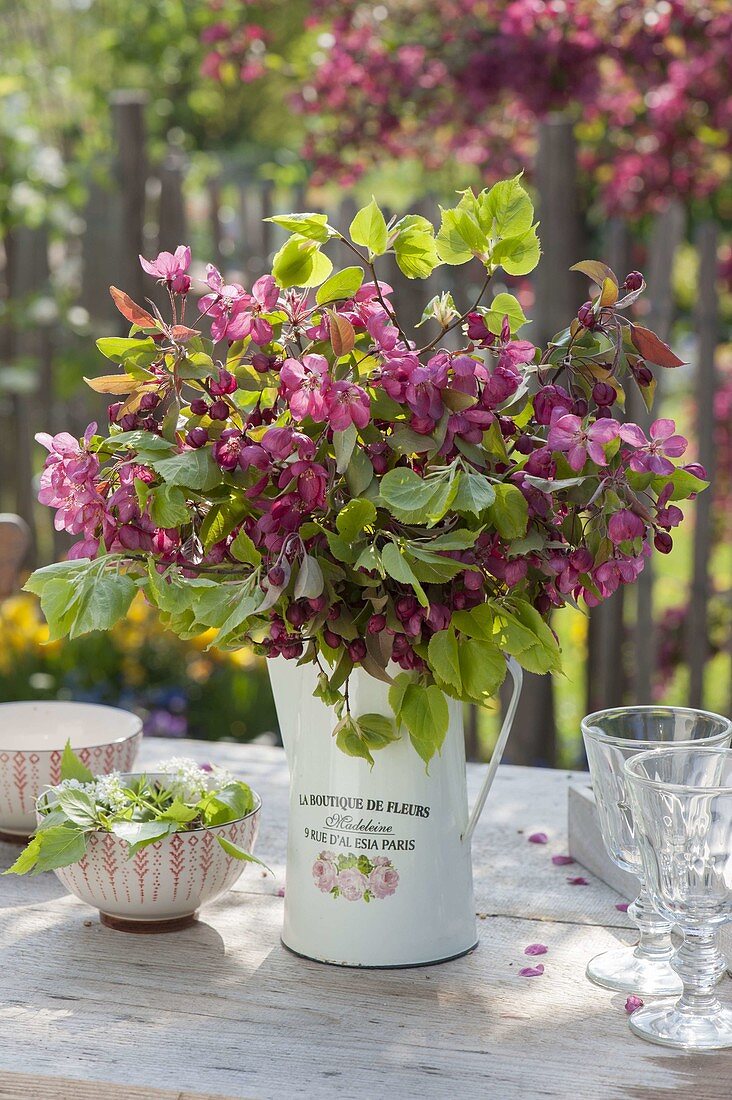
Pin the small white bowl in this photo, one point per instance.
(32, 739)
(160, 888)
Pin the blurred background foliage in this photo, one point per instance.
(130, 125)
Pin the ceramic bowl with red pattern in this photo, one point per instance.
(162, 886)
(32, 739)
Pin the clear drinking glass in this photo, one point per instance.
(611, 738)
(682, 810)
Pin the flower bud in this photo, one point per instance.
(505, 329)
(292, 650)
(376, 624)
(199, 407)
(148, 402)
(357, 649)
(262, 362)
(219, 410)
(225, 383)
(276, 576)
(663, 542)
(586, 315)
(113, 411)
(318, 604)
(331, 639)
(633, 281)
(473, 580)
(643, 374)
(697, 470)
(197, 437)
(296, 614)
(604, 394)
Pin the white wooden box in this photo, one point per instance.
(586, 844)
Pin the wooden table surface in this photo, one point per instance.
(223, 1010)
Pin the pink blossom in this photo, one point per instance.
(305, 383)
(226, 306)
(516, 353)
(652, 455)
(567, 434)
(347, 404)
(536, 949)
(578, 880)
(312, 479)
(68, 484)
(562, 861)
(622, 906)
(383, 881)
(624, 526)
(324, 873)
(538, 838)
(352, 883)
(170, 268)
(250, 322)
(632, 1003)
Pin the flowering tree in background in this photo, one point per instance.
(646, 84)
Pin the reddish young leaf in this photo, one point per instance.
(653, 348)
(595, 270)
(182, 334)
(342, 335)
(135, 314)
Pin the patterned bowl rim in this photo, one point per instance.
(183, 832)
(136, 732)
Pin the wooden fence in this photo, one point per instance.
(147, 209)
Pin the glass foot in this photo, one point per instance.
(673, 1027)
(625, 972)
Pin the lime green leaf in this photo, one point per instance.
(312, 226)
(72, 767)
(377, 730)
(106, 599)
(354, 517)
(460, 237)
(518, 255)
(140, 353)
(60, 846)
(506, 210)
(300, 263)
(482, 669)
(360, 472)
(27, 859)
(397, 692)
(415, 248)
(504, 305)
(344, 444)
(476, 623)
(545, 656)
(229, 803)
(234, 850)
(179, 812)
(509, 513)
(425, 713)
(404, 491)
(396, 565)
(341, 286)
(220, 521)
(168, 506)
(474, 494)
(349, 739)
(78, 806)
(244, 550)
(444, 659)
(368, 228)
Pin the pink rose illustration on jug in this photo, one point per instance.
(355, 878)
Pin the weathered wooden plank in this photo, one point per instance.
(128, 109)
(29, 1086)
(223, 1008)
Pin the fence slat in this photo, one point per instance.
(132, 170)
(707, 326)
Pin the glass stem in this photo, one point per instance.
(700, 964)
(655, 932)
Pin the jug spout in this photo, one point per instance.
(286, 679)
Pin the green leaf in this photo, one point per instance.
(168, 506)
(72, 767)
(454, 540)
(504, 305)
(314, 227)
(405, 492)
(244, 550)
(27, 859)
(425, 713)
(219, 521)
(78, 806)
(349, 739)
(460, 237)
(355, 517)
(396, 565)
(474, 494)
(341, 286)
(444, 660)
(229, 803)
(138, 834)
(144, 443)
(415, 248)
(404, 441)
(545, 656)
(310, 582)
(684, 483)
(518, 255)
(377, 731)
(509, 513)
(105, 600)
(360, 472)
(234, 850)
(178, 812)
(344, 444)
(368, 228)
(476, 623)
(191, 469)
(506, 210)
(140, 353)
(397, 691)
(300, 263)
(60, 846)
(482, 669)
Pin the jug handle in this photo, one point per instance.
(517, 676)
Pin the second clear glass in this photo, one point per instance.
(611, 738)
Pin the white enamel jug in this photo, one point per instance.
(378, 859)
